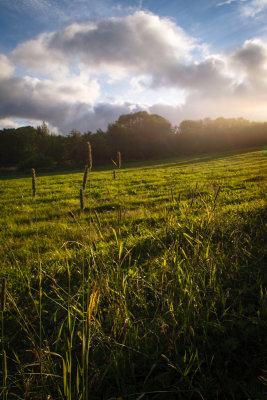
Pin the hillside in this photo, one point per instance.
(155, 290)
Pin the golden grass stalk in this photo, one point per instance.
(33, 182)
(97, 218)
(93, 300)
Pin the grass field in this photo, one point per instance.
(157, 290)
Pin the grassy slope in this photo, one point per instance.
(170, 301)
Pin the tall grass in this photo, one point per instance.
(169, 304)
(3, 339)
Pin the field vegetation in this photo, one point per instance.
(149, 283)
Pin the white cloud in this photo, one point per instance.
(226, 2)
(249, 8)
(223, 3)
(137, 43)
(244, 95)
(6, 67)
(85, 75)
(254, 7)
(8, 123)
(36, 56)
(250, 62)
(59, 102)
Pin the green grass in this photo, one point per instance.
(166, 301)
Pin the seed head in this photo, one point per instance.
(90, 164)
(119, 159)
(33, 182)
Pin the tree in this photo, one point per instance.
(146, 124)
(43, 129)
(140, 135)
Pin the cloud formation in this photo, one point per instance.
(226, 2)
(249, 8)
(6, 67)
(85, 75)
(141, 42)
(254, 7)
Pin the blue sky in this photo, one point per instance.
(79, 64)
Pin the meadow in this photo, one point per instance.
(156, 289)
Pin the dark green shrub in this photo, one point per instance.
(35, 161)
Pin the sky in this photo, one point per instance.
(80, 64)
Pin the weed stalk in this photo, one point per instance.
(216, 197)
(4, 358)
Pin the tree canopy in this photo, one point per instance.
(140, 135)
(137, 136)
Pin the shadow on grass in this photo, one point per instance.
(180, 160)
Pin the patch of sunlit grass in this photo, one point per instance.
(167, 303)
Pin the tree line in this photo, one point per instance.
(138, 136)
